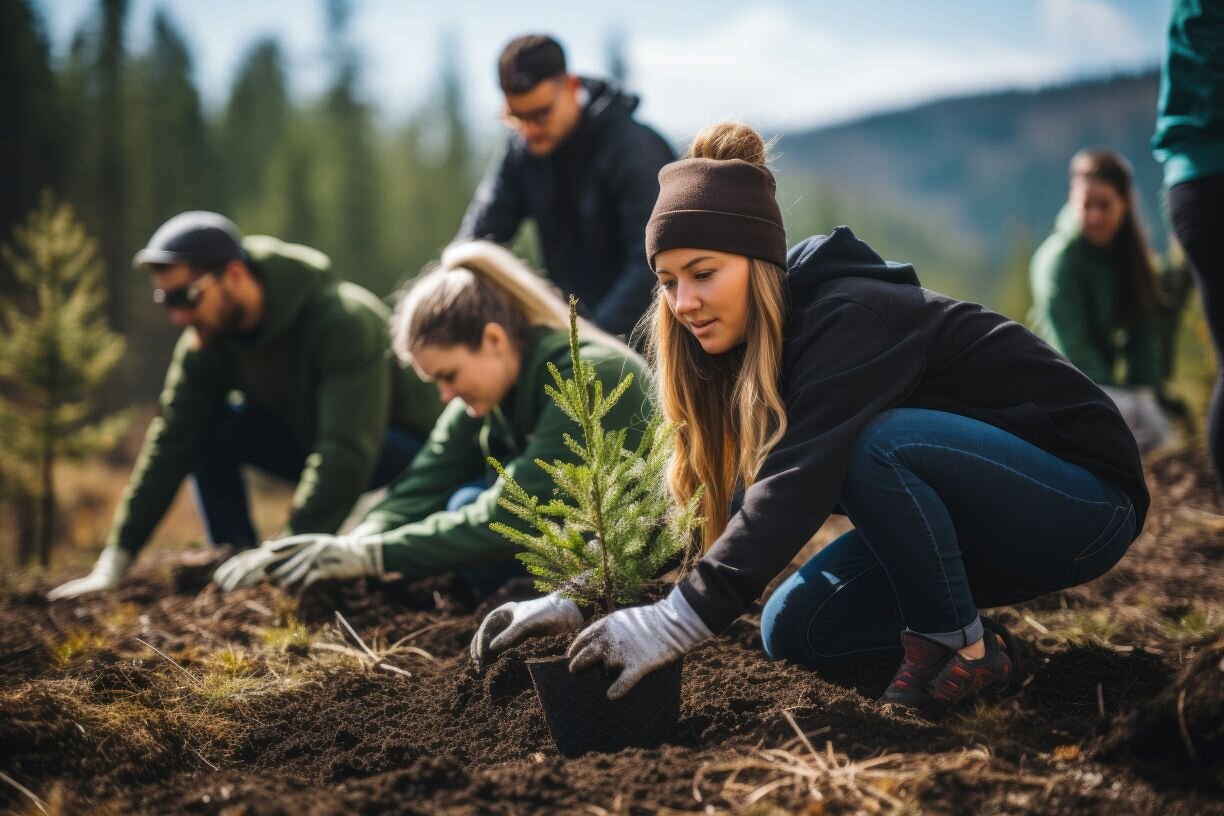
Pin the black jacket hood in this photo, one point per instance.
(606, 100)
(840, 254)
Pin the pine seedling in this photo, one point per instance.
(611, 524)
(56, 350)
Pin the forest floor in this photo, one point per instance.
(169, 697)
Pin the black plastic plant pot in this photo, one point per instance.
(582, 718)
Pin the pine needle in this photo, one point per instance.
(195, 680)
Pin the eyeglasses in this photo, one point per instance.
(535, 116)
(184, 297)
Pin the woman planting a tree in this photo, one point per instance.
(979, 467)
(1093, 279)
(484, 328)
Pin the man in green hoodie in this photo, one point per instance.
(281, 365)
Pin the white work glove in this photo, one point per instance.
(639, 640)
(331, 557)
(1143, 415)
(511, 623)
(105, 575)
(251, 567)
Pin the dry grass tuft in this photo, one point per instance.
(75, 643)
(290, 636)
(374, 655)
(887, 784)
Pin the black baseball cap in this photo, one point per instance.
(529, 60)
(195, 237)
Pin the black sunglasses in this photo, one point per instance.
(184, 297)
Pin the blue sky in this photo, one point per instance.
(780, 65)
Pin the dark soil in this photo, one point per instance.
(1127, 720)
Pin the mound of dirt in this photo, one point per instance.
(1179, 735)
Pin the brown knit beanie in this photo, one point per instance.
(722, 203)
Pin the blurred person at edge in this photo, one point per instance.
(1189, 144)
(1096, 297)
(485, 329)
(281, 365)
(584, 171)
(978, 466)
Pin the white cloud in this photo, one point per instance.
(1094, 26)
(774, 69)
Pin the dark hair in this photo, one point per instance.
(529, 60)
(1139, 294)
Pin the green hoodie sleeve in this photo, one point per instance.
(353, 395)
(1062, 312)
(446, 541)
(195, 389)
(1144, 358)
(451, 457)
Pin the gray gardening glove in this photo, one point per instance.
(251, 567)
(511, 623)
(329, 557)
(639, 640)
(104, 576)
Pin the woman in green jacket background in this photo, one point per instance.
(1096, 299)
(483, 328)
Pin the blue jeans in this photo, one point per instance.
(950, 515)
(243, 435)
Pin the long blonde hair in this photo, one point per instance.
(473, 284)
(728, 407)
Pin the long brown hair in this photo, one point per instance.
(728, 407)
(1138, 295)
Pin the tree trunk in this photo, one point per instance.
(46, 522)
(25, 511)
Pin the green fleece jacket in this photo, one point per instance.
(420, 536)
(320, 363)
(1189, 139)
(1075, 290)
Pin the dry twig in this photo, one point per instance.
(38, 803)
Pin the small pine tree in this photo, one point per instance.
(612, 524)
(56, 349)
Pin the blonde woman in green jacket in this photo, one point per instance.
(1095, 295)
(483, 328)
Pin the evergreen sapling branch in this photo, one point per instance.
(611, 524)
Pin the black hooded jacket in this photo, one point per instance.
(865, 337)
(590, 199)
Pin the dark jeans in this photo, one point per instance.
(1195, 209)
(247, 436)
(950, 515)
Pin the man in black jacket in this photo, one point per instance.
(584, 171)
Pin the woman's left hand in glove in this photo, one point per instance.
(639, 640)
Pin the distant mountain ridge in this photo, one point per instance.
(988, 169)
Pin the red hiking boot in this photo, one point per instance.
(923, 660)
(959, 678)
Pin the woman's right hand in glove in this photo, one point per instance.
(253, 566)
(511, 623)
